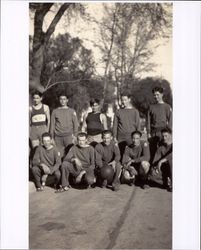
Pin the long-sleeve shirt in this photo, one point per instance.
(84, 154)
(159, 116)
(50, 157)
(164, 151)
(125, 122)
(64, 122)
(137, 153)
(106, 154)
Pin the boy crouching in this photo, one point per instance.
(79, 162)
(46, 161)
(107, 153)
(136, 159)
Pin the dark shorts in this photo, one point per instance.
(37, 131)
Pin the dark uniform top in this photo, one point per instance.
(50, 157)
(138, 153)
(84, 154)
(94, 124)
(38, 116)
(125, 122)
(106, 153)
(163, 151)
(64, 122)
(159, 117)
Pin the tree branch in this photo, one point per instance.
(56, 19)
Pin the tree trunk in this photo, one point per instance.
(40, 40)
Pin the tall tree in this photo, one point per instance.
(41, 37)
(128, 31)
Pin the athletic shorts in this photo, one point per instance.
(37, 131)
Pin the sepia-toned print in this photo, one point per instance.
(100, 125)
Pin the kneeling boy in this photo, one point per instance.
(163, 158)
(136, 158)
(79, 162)
(107, 153)
(46, 162)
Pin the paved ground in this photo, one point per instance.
(131, 218)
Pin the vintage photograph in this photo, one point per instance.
(100, 125)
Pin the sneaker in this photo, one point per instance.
(40, 189)
(104, 184)
(43, 184)
(62, 189)
(116, 187)
(145, 186)
(169, 189)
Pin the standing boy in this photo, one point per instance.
(79, 162)
(159, 117)
(163, 158)
(107, 153)
(136, 158)
(94, 123)
(126, 121)
(46, 162)
(39, 115)
(64, 125)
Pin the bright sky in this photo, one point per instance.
(85, 31)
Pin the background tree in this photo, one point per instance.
(142, 93)
(128, 31)
(68, 54)
(41, 37)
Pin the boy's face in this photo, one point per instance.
(63, 101)
(37, 99)
(47, 141)
(82, 141)
(107, 138)
(158, 96)
(125, 101)
(167, 137)
(95, 107)
(136, 139)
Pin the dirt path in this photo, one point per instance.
(101, 219)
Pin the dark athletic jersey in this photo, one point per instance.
(159, 117)
(50, 157)
(84, 154)
(125, 122)
(106, 153)
(137, 153)
(163, 151)
(94, 125)
(64, 122)
(38, 117)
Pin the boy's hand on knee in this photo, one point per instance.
(45, 168)
(77, 162)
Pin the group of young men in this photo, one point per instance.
(60, 150)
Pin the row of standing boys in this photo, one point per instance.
(59, 149)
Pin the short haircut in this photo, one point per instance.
(107, 132)
(136, 132)
(126, 93)
(82, 134)
(158, 89)
(37, 93)
(166, 130)
(46, 134)
(94, 100)
(63, 94)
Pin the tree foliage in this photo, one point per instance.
(128, 32)
(142, 95)
(68, 54)
(41, 36)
